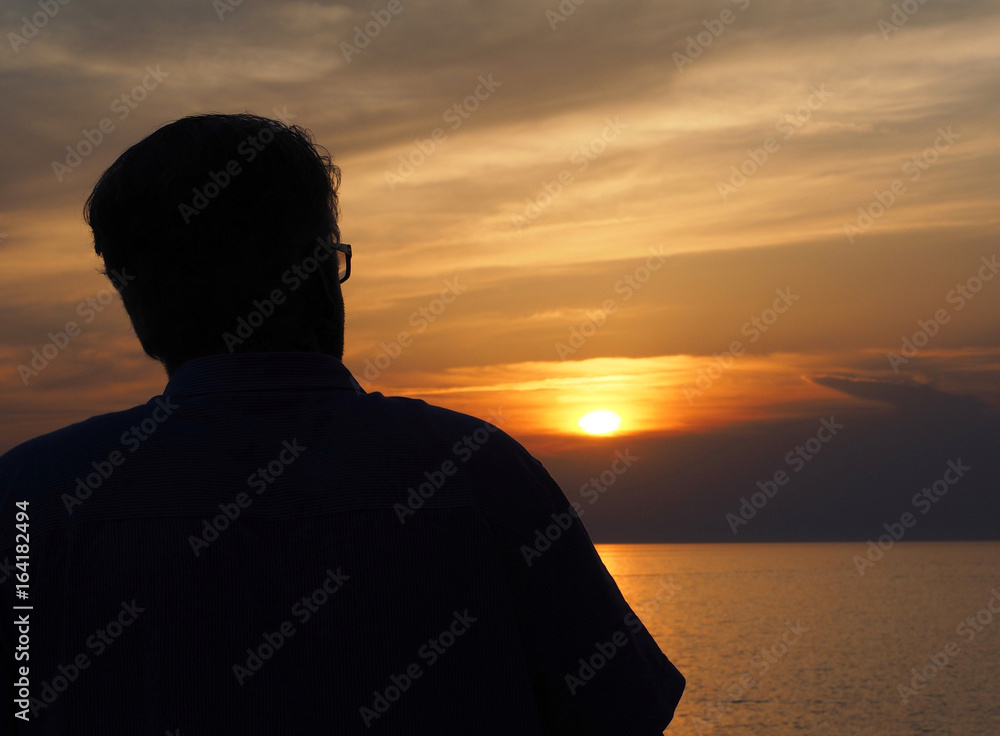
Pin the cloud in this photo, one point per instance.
(656, 185)
(918, 401)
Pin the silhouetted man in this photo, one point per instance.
(267, 548)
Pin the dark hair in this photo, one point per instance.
(201, 218)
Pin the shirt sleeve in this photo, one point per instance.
(595, 668)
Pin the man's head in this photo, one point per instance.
(200, 223)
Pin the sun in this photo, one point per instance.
(599, 421)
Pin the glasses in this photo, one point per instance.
(343, 260)
(343, 255)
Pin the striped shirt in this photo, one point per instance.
(268, 548)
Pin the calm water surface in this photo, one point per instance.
(785, 639)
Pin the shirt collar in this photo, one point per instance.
(265, 371)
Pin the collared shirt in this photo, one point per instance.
(267, 548)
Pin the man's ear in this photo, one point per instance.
(331, 282)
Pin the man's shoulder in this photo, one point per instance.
(51, 446)
(483, 438)
(419, 410)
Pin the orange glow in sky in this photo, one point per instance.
(702, 247)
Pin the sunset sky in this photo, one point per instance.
(569, 211)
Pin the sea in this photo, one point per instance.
(823, 638)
